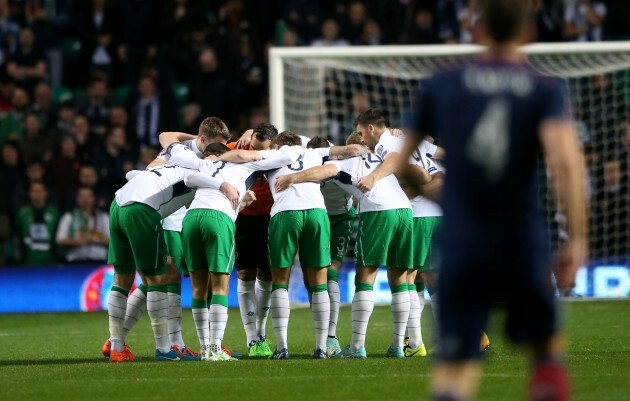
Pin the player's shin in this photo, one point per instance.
(247, 305)
(157, 308)
(362, 308)
(263, 303)
(400, 313)
(334, 294)
(200, 317)
(218, 321)
(321, 314)
(136, 306)
(117, 306)
(413, 323)
(174, 291)
(280, 311)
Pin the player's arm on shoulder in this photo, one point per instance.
(248, 199)
(313, 174)
(241, 156)
(272, 160)
(167, 138)
(182, 156)
(565, 162)
(347, 151)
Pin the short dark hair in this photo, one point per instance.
(372, 116)
(215, 149)
(504, 19)
(265, 132)
(211, 127)
(318, 142)
(287, 138)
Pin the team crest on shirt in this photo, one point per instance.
(380, 151)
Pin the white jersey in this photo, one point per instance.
(304, 195)
(174, 221)
(236, 175)
(386, 194)
(421, 206)
(305, 140)
(336, 199)
(163, 188)
(388, 143)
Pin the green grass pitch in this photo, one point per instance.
(57, 357)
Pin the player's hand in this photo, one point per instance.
(396, 132)
(571, 257)
(245, 139)
(231, 193)
(250, 196)
(283, 182)
(366, 183)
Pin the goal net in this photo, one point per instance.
(319, 91)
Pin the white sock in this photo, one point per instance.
(247, 305)
(400, 316)
(413, 324)
(335, 299)
(116, 308)
(175, 315)
(321, 317)
(136, 306)
(280, 311)
(157, 307)
(218, 321)
(263, 303)
(200, 317)
(362, 307)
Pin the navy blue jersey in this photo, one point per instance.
(487, 115)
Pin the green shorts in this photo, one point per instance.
(385, 238)
(424, 251)
(175, 249)
(341, 227)
(136, 240)
(208, 239)
(305, 230)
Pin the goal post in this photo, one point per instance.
(319, 91)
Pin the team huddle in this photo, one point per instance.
(201, 208)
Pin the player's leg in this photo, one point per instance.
(314, 251)
(340, 232)
(175, 264)
(136, 306)
(121, 256)
(263, 284)
(218, 234)
(399, 261)
(246, 287)
(198, 268)
(284, 233)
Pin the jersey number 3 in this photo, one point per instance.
(490, 140)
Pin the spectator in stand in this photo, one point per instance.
(447, 21)
(583, 20)
(215, 89)
(115, 161)
(96, 109)
(97, 25)
(36, 143)
(549, 20)
(146, 156)
(43, 105)
(35, 227)
(330, 35)
(88, 178)
(63, 170)
(49, 20)
(9, 32)
(371, 35)
(304, 17)
(65, 120)
(422, 31)
(7, 85)
(353, 23)
(191, 117)
(28, 65)
(83, 233)
(12, 123)
(34, 172)
(87, 145)
(467, 14)
(138, 36)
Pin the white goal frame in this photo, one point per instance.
(279, 54)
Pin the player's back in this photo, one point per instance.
(488, 116)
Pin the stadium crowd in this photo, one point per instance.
(87, 86)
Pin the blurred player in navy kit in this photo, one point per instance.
(506, 115)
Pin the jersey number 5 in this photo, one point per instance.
(490, 141)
